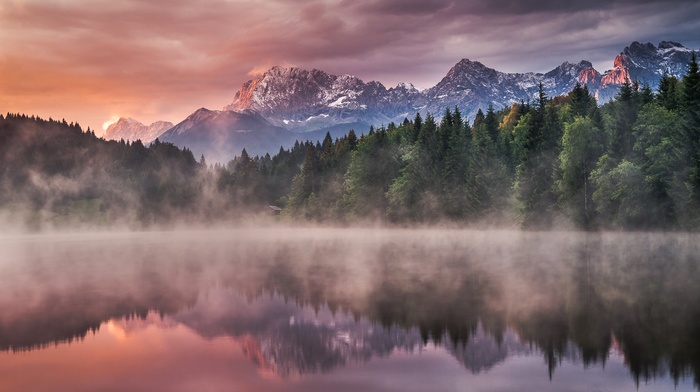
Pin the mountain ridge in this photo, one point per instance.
(301, 101)
(295, 98)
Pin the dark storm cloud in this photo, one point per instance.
(495, 7)
(162, 59)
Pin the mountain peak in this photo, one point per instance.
(466, 63)
(585, 64)
(280, 70)
(127, 120)
(128, 129)
(466, 68)
(309, 100)
(405, 86)
(202, 110)
(670, 45)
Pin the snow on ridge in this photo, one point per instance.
(324, 115)
(337, 103)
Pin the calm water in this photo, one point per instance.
(348, 310)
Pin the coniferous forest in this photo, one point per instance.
(633, 163)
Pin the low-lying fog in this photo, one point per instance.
(561, 294)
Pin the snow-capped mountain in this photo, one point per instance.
(470, 85)
(132, 130)
(302, 100)
(645, 63)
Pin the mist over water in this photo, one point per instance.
(372, 309)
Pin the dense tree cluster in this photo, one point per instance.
(633, 163)
(57, 171)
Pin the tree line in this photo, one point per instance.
(633, 163)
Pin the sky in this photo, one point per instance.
(92, 61)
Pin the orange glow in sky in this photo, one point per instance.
(163, 59)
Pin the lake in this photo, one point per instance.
(319, 309)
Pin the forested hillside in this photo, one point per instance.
(633, 163)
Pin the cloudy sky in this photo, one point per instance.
(94, 60)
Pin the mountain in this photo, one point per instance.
(470, 85)
(286, 104)
(646, 64)
(132, 130)
(302, 100)
(221, 134)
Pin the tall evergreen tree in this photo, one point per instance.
(625, 112)
(456, 166)
(661, 145)
(487, 181)
(373, 166)
(691, 110)
(582, 146)
(491, 124)
(537, 145)
(582, 102)
(668, 95)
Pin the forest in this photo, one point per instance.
(560, 162)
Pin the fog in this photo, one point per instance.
(565, 295)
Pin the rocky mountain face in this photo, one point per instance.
(302, 100)
(644, 63)
(470, 85)
(132, 130)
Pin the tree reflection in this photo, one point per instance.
(573, 297)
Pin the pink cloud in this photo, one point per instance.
(161, 60)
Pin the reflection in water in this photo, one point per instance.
(300, 302)
(292, 340)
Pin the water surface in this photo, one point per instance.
(349, 309)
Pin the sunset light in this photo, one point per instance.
(350, 195)
(116, 58)
(109, 122)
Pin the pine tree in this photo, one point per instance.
(491, 124)
(691, 110)
(660, 146)
(625, 112)
(668, 92)
(478, 119)
(416, 129)
(454, 173)
(582, 146)
(582, 103)
(536, 147)
(487, 181)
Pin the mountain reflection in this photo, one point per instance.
(309, 301)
